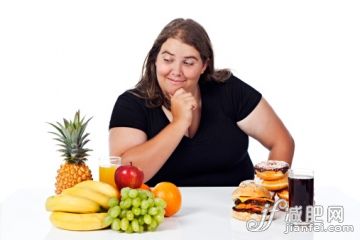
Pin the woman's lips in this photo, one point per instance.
(176, 81)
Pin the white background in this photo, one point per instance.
(60, 56)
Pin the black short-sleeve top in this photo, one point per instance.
(218, 153)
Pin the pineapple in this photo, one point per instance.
(72, 138)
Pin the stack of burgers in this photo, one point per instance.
(250, 200)
(273, 176)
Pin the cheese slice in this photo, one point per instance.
(243, 199)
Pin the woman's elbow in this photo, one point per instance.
(292, 145)
(283, 149)
(288, 146)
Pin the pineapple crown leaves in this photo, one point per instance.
(72, 139)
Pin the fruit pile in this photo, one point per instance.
(92, 205)
(138, 211)
(83, 204)
(81, 207)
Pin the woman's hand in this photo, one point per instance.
(182, 105)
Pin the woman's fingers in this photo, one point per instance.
(185, 98)
(178, 92)
(191, 102)
(182, 105)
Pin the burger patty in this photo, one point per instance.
(258, 201)
(251, 205)
(251, 209)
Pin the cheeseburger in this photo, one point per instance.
(250, 199)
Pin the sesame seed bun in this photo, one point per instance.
(249, 188)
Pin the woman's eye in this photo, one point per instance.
(167, 60)
(190, 63)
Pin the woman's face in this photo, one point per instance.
(178, 65)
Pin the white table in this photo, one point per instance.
(205, 214)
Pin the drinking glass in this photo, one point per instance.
(107, 168)
(301, 194)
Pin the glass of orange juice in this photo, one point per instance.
(107, 168)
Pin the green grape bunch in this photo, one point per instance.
(137, 211)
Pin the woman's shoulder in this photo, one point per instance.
(130, 93)
(236, 85)
(129, 111)
(230, 83)
(234, 80)
(130, 96)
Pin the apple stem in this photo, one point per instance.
(130, 163)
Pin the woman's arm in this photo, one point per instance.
(150, 155)
(265, 126)
(132, 145)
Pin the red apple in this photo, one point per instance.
(128, 176)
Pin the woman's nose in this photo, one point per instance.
(176, 69)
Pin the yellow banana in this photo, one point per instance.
(78, 221)
(88, 193)
(101, 187)
(67, 203)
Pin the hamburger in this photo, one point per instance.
(250, 200)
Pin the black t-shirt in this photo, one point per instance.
(218, 153)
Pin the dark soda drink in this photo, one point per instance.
(301, 191)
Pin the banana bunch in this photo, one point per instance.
(79, 221)
(81, 207)
(74, 204)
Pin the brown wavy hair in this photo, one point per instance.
(189, 32)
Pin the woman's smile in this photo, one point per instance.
(176, 81)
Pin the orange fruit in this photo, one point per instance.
(144, 186)
(172, 196)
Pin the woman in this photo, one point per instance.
(186, 122)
